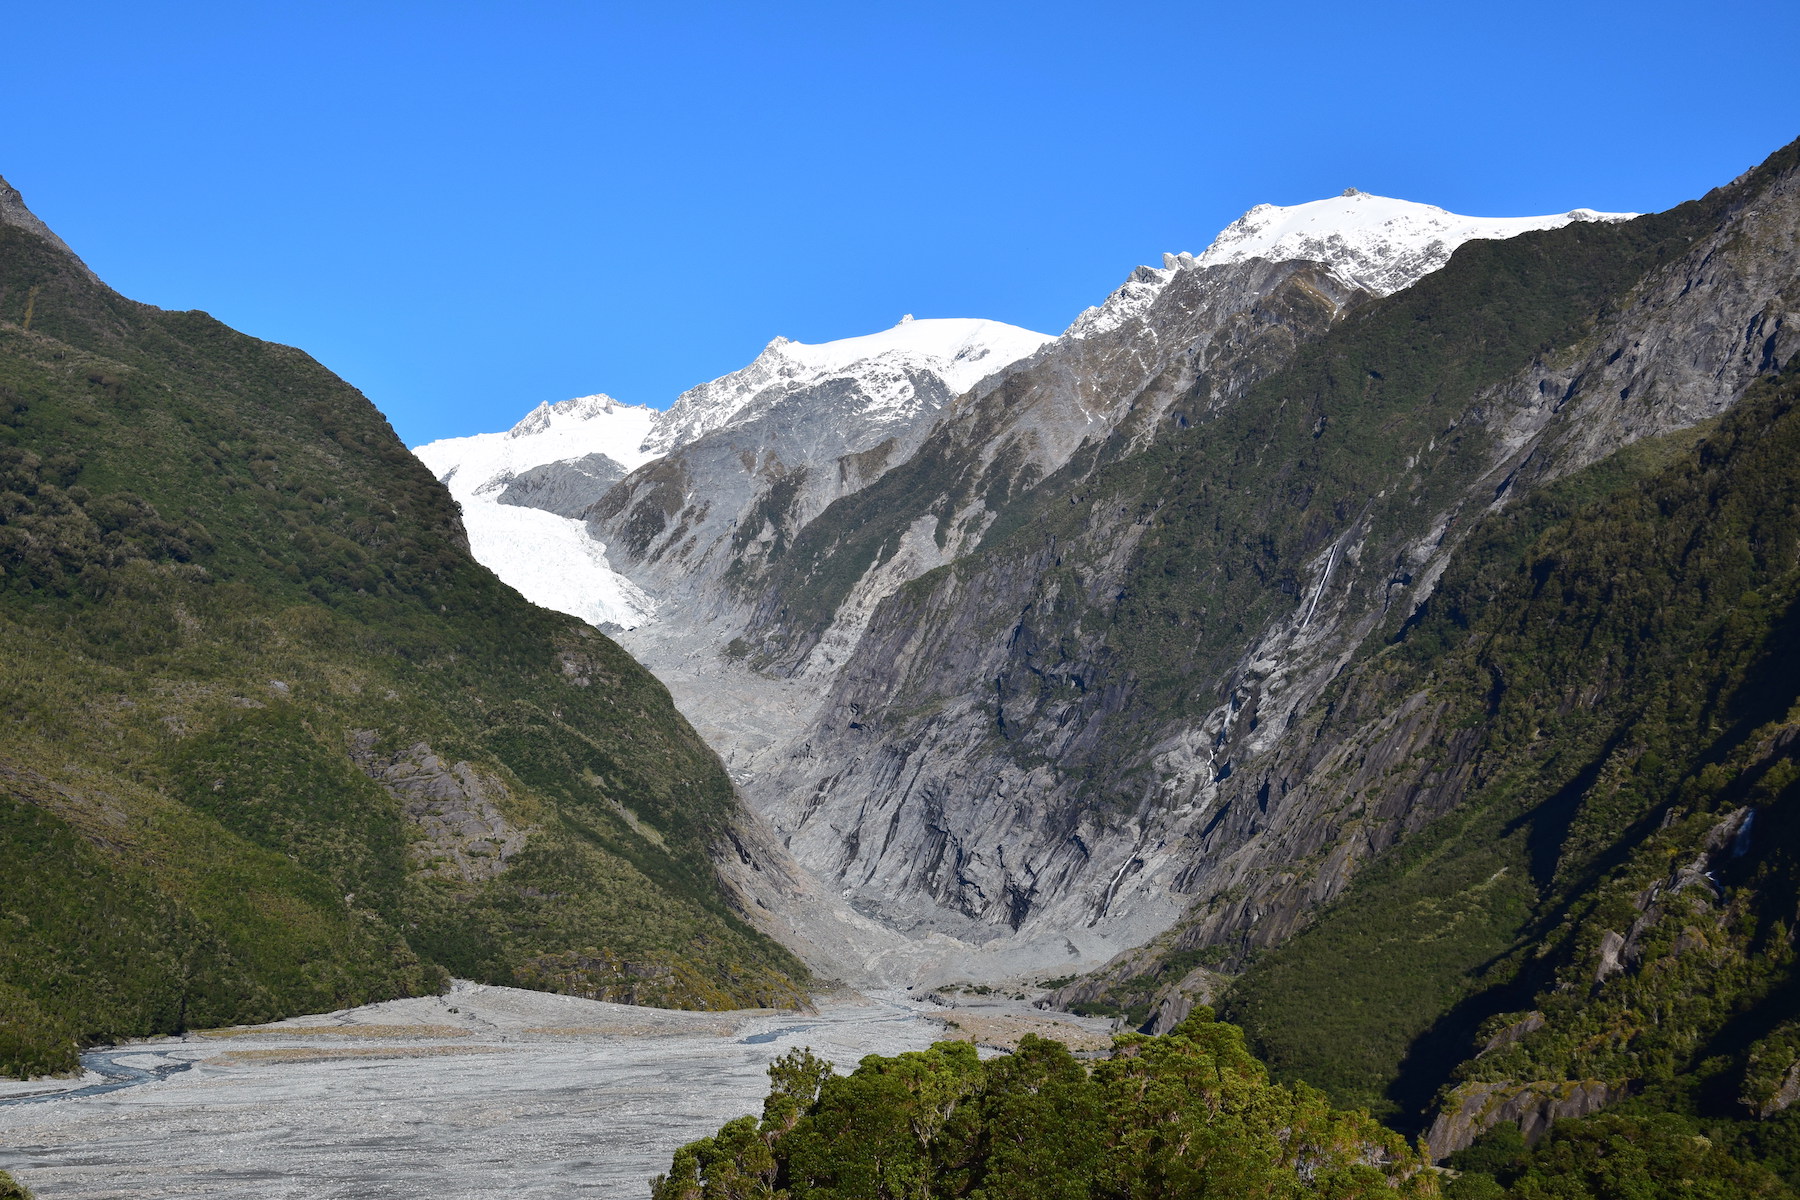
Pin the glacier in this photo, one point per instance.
(549, 559)
(553, 561)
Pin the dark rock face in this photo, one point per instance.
(568, 488)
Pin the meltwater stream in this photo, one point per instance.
(117, 1068)
(482, 1092)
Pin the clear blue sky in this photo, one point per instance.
(466, 208)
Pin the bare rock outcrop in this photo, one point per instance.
(461, 832)
(1475, 1108)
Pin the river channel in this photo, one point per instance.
(483, 1092)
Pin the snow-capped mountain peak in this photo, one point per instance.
(565, 414)
(963, 350)
(1375, 242)
(549, 433)
(1378, 242)
(959, 351)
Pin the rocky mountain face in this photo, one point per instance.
(1604, 914)
(958, 352)
(1380, 624)
(914, 818)
(781, 533)
(567, 488)
(1106, 800)
(752, 458)
(1300, 779)
(1687, 337)
(1155, 620)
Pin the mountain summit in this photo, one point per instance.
(562, 457)
(1376, 242)
(960, 351)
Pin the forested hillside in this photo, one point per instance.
(270, 740)
(1191, 1113)
(1611, 908)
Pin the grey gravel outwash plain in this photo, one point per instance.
(481, 1092)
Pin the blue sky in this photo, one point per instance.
(466, 208)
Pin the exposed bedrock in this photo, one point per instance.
(1045, 669)
(994, 758)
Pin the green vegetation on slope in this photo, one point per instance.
(1189, 1114)
(271, 741)
(1610, 1157)
(1627, 646)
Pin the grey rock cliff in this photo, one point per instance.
(460, 832)
(851, 805)
(983, 765)
(1533, 1107)
(567, 488)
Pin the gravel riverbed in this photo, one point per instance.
(482, 1092)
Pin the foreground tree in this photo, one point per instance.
(1191, 1114)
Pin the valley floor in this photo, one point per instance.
(481, 1092)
